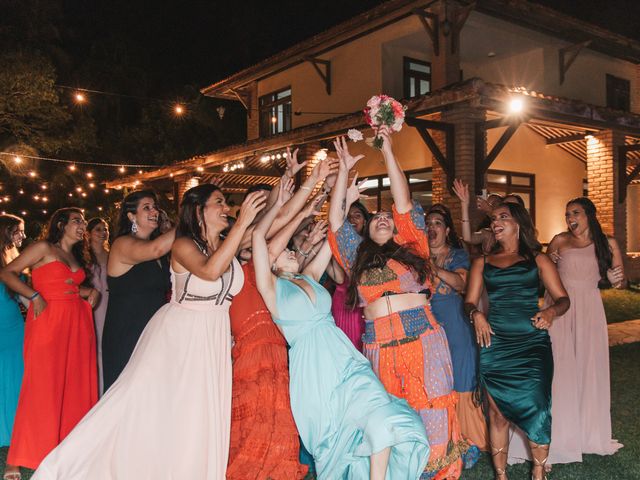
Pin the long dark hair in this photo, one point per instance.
(365, 213)
(54, 231)
(528, 245)
(600, 240)
(371, 255)
(452, 238)
(91, 224)
(7, 224)
(192, 204)
(130, 205)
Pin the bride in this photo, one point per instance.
(168, 414)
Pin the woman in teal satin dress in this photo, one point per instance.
(516, 364)
(349, 423)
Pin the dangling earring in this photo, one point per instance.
(199, 223)
(518, 233)
(134, 227)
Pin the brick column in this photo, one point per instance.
(602, 177)
(181, 185)
(464, 118)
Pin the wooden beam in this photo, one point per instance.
(326, 75)
(447, 162)
(244, 171)
(483, 163)
(567, 55)
(460, 20)
(576, 137)
(244, 98)
(432, 29)
(624, 179)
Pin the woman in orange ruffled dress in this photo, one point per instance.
(264, 437)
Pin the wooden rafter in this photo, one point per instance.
(326, 75)
(576, 137)
(567, 55)
(431, 24)
(244, 98)
(484, 162)
(459, 22)
(624, 178)
(446, 161)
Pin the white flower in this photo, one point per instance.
(354, 135)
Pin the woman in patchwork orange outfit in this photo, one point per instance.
(390, 273)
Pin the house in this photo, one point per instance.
(509, 96)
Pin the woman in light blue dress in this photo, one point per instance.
(353, 428)
(11, 334)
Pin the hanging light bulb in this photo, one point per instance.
(69, 194)
(72, 167)
(44, 211)
(179, 110)
(89, 175)
(106, 190)
(45, 199)
(221, 111)
(200, 169)
(43, 186)
(92, 185)
(83, 195)
(78, 189)
(99, 209)
(21, 192)
(79, 97)
(122, 169)
(32, 174)
(17, 159)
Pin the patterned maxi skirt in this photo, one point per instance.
(409, 353)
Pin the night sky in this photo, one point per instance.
(198, 42)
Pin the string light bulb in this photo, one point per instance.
(45, 199)
(99, 209)
(21, 192)
(80, 97)
(78, 189)
(179, 110)
(106, 190)
(122, 169)
(89, 175)
(72, 167)
(92, 185)
(17, 159)
(32, 174)
(43, 186)
(200, 169)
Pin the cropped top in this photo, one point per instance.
(394, 277)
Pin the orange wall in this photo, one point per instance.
(558, 176)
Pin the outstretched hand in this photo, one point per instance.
(347, 161)
(318, 232)
(252, 205)
(461, 190)
(285, 191)
(353, 191)
(313, 208)
(293, 166)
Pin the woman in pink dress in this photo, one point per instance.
(349, 320)
(581, 398)
(98, 231)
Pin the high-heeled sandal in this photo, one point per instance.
(540, 463)
(500, 472)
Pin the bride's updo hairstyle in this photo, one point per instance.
(190, 222)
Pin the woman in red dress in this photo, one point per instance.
(264, 437)
(60, 383)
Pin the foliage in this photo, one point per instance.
(621, 305)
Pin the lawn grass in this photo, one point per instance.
(621, 305)
(625, 392)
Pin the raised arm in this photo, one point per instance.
(338, 207)
(130, 250)
(398, 180)
(187, 254)
(265, 280)
(319, 264)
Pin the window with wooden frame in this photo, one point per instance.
(377, 193)
(618, 93)
(417, 77)
(503, 183)
(275, 112)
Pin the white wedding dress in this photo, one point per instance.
(168, 415)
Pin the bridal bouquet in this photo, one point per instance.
(384, 110)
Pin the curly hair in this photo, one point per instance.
(604, 255)
(371, 255)
(528, 245)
